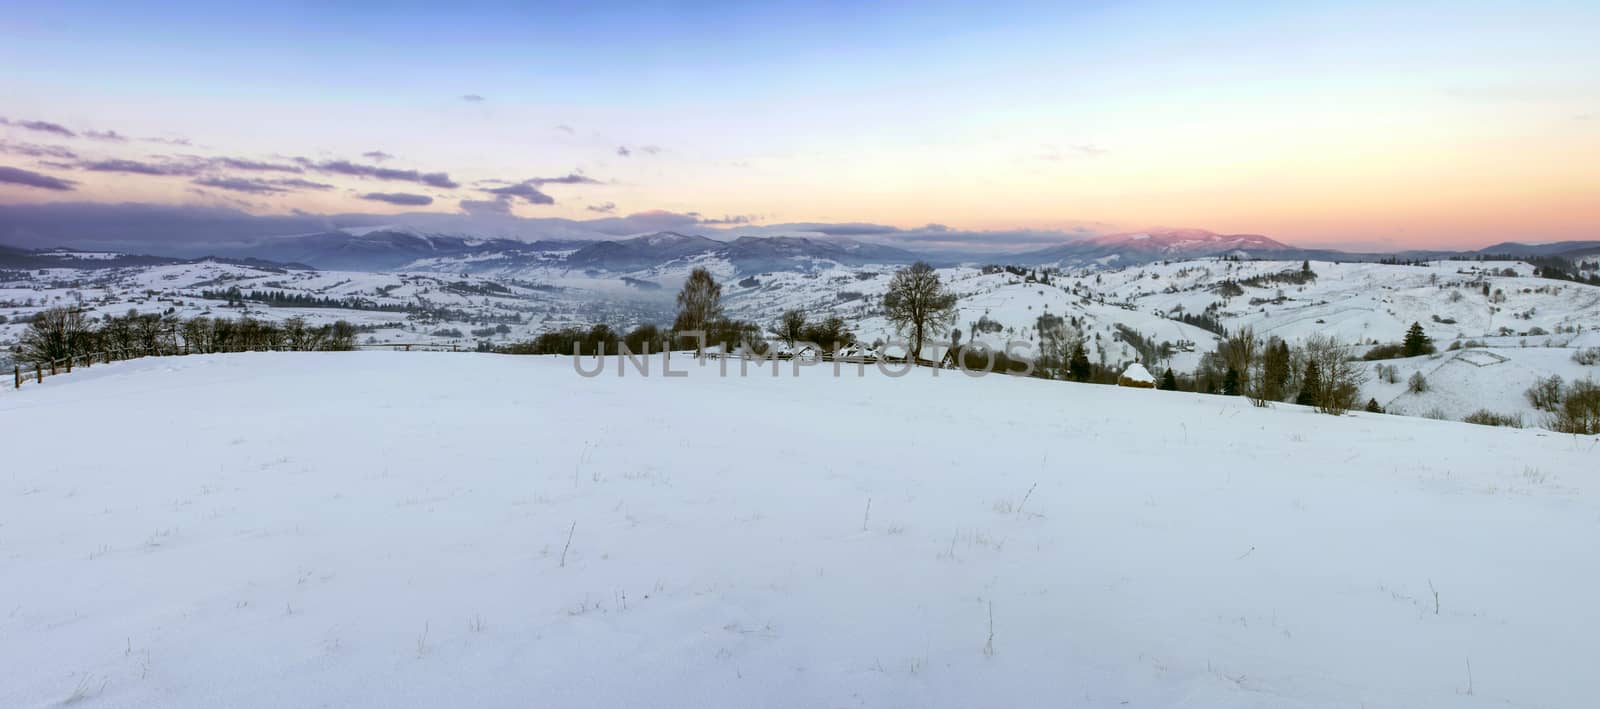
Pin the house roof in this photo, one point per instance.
(1138, 373)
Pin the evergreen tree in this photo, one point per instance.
(1373, 407)
(1078, 368)
(1168, 381)
(1230, 382)
(1417, 342)
(1311, 386)
(1276, 362)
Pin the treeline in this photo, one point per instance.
(66, 333)
(1318, 373)
(699, 310)
(289, 299)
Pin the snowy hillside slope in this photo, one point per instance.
(500, 301)
(405, 529)
(1495, 379)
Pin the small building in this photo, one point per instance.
(1136, 376)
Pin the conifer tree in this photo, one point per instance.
(1078, 366)
(1311, 386)
(1417, 342)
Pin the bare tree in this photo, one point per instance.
(1339, 378)
(791, 326)
(699, 303)
(54, 334)
(918, 302)
(1239, 350)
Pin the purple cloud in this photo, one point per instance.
(109, 136)
(473, 98)
(28, 178)
(400, 198)
(571, 178)
(524, 190)
(377, 155)
(603, 207)
(135, 167)
(485, 207)
(41, 126)
(255, 165)
(345, 167)
(623, 151)
(35, 150)
(254, 186)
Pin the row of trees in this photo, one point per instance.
(1318, 373)
(916, 303)
(65, 333)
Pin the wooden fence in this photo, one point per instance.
(64, 365)
(39, 370)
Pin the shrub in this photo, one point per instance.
(1485, 417)
(1393, 350)
(1580, 409)
(1588, 357)
(1388, 374)
(1417, 384)
(1545, 394)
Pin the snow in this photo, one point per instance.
(392, 529)
(1137, 373)
(1360, 303)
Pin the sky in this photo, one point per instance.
(1370, 125)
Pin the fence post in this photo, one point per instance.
(52, 367)
(38, 373)
(16, 371)
(69, 364)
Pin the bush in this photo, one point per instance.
(1587, 357)
(1393, 350)
(1545, 394)
(1485, 417)
(1580, 409)
(1417, 384)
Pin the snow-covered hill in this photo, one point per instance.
(388, 529)
(500, 298)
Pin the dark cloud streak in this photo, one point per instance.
(345, 167)
(40, 126)
(400, 198)
(35, 150)
(29, 178)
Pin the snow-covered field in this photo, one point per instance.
(409, 529)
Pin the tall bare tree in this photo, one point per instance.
(918, 302)
(699, 303)
(55, 334)
(791, 326)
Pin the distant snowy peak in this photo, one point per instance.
(1187, 242)
(746, 253)
(1150, 245)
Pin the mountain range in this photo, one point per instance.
(389, 248)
